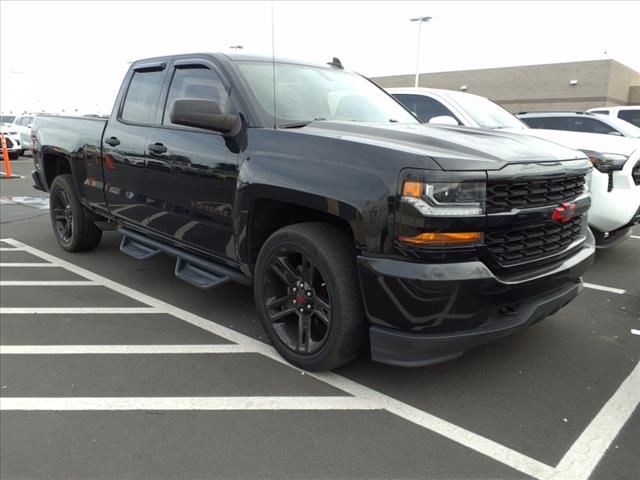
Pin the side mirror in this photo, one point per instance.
(444, 120)
(199, 113)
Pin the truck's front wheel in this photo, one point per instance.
(307, 294)
(72, 225)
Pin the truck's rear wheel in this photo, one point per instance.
(307, 294)
(72, 225)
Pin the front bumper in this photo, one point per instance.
(422, 314)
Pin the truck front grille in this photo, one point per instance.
(525, 244)
(505, 196)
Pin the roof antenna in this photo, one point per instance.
(336, 63)
(273, 62)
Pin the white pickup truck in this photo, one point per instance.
(615, 185)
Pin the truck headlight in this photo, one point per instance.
(445, 199)
(606, 162)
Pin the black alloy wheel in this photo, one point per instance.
(73, 225)
(297, 301)
(308, 295)
(62, 215)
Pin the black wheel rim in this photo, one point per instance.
(62, 214)
(297, 301)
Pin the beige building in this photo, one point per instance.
(573, 86)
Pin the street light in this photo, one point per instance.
(420, 20)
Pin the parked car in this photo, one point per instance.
(6, 120)
(22, 125)
(629, 113)
(352, 220)
(14, 147)
(615, 189)
(580, 122)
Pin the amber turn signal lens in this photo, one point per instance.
(453, 238)
(412, 189)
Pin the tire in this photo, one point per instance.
(72, 224)
(310, 267)
(14, 155)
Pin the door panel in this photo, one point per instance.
(124, 171)
(192, 173)
(191, 189)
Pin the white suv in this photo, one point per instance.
(615, 185)
(630, 113)
(22, 125)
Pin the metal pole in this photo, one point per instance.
(418, 55)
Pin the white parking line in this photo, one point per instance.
(594, 286)
(72, 310)
(447, 429)
(10, 249)
(187, 403)
(25, 264)
(584, 455)
(119, 349)
(635, 236)
(48, 283)
(635, 332)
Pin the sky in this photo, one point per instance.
(71, 56)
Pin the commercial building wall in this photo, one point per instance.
(537, 87)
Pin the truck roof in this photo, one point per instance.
(233, 57)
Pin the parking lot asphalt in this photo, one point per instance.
(120, 370)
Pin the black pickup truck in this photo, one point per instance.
(355, 224)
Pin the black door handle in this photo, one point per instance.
(113, 141)
(157, 148)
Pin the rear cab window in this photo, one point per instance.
(141, 100)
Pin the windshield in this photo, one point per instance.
(306, 93)
(486, 113)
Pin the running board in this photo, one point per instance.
(198, 277)
(137, 250)
(191, 268)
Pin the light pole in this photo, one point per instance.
(420, 20)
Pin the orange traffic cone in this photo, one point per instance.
(7, 162)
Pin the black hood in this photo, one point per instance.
(453, 148)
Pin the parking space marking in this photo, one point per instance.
(485, 446)
(10, 249)
(635, 236)
(120, 349)
(584, 455)
(594, 286)
(25, 264)
(72, 310)
(186, 403)
(635, 332)
(49, 283)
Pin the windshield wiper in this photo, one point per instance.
(300, 124)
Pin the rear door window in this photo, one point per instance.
(141, 101)
(551, 123)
